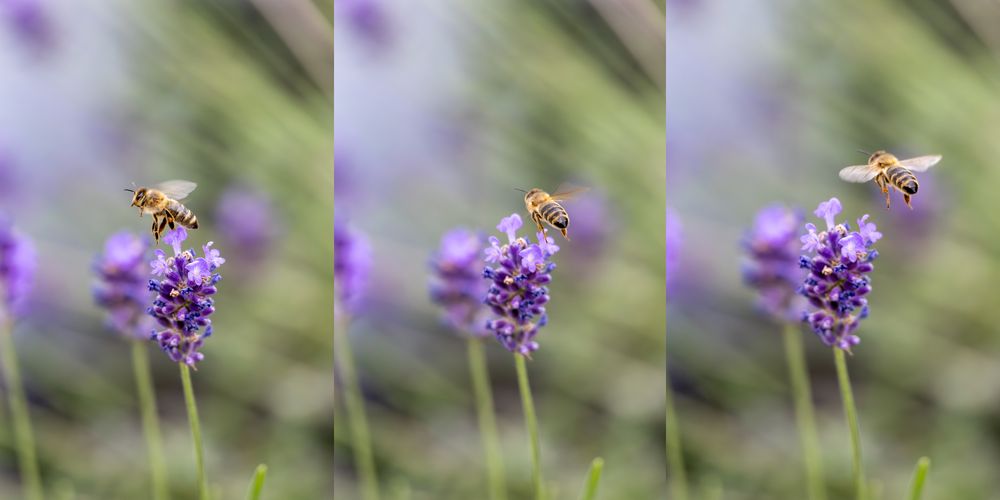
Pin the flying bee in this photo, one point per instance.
(887, 171)
(161, 201)
(545, 207)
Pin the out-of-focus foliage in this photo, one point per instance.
(767, 103)
(143, 92)
(438, 121)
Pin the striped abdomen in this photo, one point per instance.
(182, 215)
(554, 214)
(902, 179)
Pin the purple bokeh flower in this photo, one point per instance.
(245, 221)
(457, 283)
(368, 19)
(124, 284)
(30, 23)
(518, 291)
(837, 282)
(773, 268)
(674, 235)
(184, 286)
(18, 262)
(592, 225)
(352, 263)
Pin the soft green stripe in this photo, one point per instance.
(919, 476)
(360, 438)
(257, 483)
(532, 423)
(675, 455)
(593, 479)
(805, 414)
(23, 436)
(150, 421)
(487, 419)
(192, 411)
(851, 413)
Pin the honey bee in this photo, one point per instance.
(545, 207)
(161, 201)
(887, 171)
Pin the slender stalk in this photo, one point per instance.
(257, 483)
(919, 476)
(804, 413)
(675, 454)
(593, 479)
(532, 423)
(360, 440)
(30, 477)
(192, 411)
(150, 421)
(851, 413)
(487, 420)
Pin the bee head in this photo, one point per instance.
(882, 159)
(138, 195)
(533, 198)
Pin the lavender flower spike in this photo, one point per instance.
(183, 301)
(458, 282)
(124, 286)
(518, 292)
(352, 261)
(773, 268)
(244, 218)
(17, 270)
(838, 263)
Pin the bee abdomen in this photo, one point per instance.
(903, 179)
(183, 216)
(555, 214)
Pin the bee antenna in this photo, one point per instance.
(130, 190)
(864, 152)
(521, 190)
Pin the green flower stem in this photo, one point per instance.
(150, 421)
(192, 411)
(23, 436)
(851, 413)
(675, 454)
(257, 483)
(804, 412)
(593, 479)
(360, 440)
(487, 419)
(532, 423)
(919, 476)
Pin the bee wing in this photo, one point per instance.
(858, 173)
(568, 192)
(177, 190)
(921, 163)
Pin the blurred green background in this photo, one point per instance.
(441, 112)
(229, 94)
(766, 103)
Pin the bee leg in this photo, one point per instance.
(163, 224)
(156, 233)
(884, 187)
(170, 221)
(906, 198)
(537, 217)
(563, 231)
